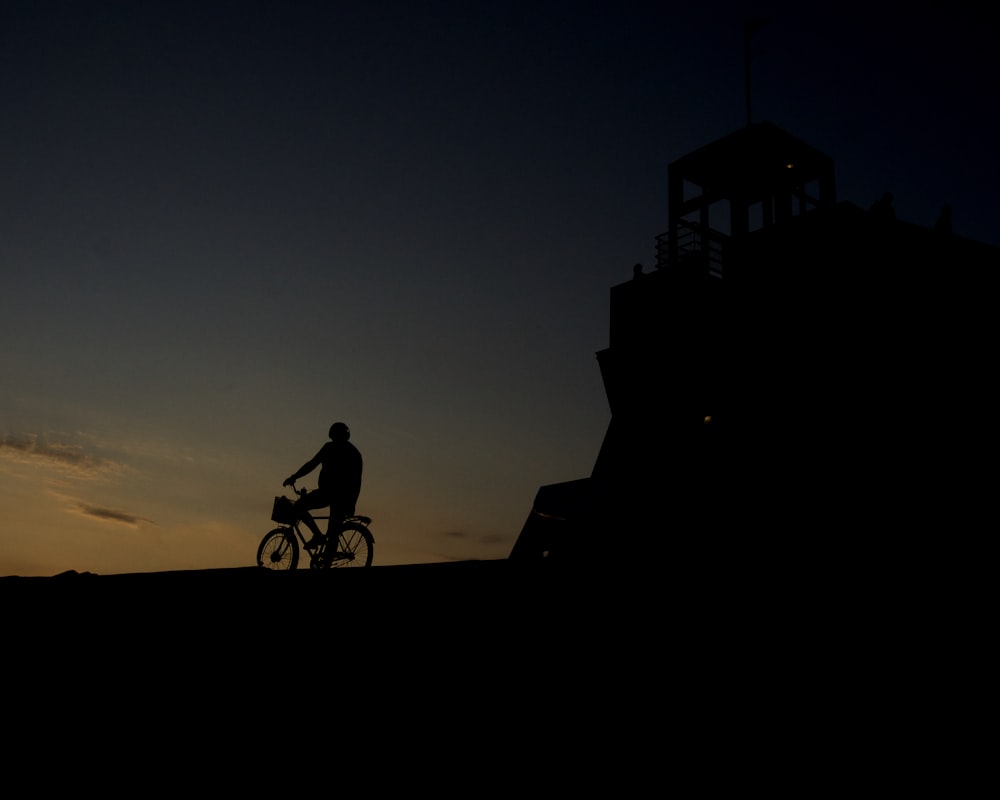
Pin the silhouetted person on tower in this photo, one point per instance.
(339, 482)
(882, 208)
(943, 225)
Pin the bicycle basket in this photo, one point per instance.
(283, 511)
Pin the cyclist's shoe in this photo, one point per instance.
(315, 542)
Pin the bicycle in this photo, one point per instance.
(279, 549)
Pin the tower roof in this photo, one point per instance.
(752, 161)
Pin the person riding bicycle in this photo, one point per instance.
(339, 483)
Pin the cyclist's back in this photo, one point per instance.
(340, 475)
(339, 483)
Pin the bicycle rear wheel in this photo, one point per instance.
(278, 550)
(356, 547)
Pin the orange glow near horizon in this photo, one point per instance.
(104, 506)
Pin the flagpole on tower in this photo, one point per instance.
(749, 26)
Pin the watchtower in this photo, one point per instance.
(668, 363)
(754, 178)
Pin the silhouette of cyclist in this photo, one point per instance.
(339, 483)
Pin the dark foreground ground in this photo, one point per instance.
(443, 655)
(534, 613)
(476, 676)
(445, 630)
(517, 606)
(671, 613)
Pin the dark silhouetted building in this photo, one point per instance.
(828, 372)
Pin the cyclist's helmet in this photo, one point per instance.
(339, 431)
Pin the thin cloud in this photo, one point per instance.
(72, 504)
(489, 538)
(58, 452)
(111, 515)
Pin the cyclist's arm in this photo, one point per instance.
(305, 469)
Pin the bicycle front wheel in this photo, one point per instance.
(356, 547)
(278, 550)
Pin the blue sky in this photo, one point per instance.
(224, 226)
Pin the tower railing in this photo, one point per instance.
(696, 246)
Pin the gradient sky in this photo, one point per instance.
(225, 225)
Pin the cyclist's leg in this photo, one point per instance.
(339, 511)
(310, 500)
(335, 524)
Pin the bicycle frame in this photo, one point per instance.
(317, 555)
